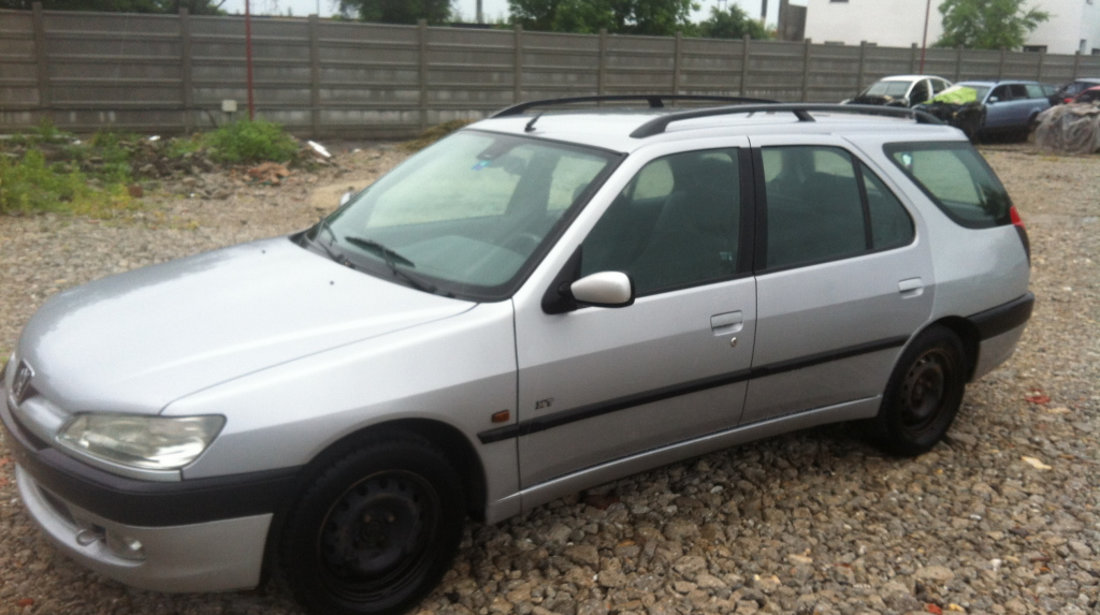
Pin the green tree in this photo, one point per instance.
(653, 17)
(195, 7)
(398, 11)
(731, 23)
(988, 24)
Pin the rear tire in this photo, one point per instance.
(923, 395)
(375, 530)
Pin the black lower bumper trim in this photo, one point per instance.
(1004, 317)
(146, 503)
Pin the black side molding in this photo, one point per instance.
(1004, 317)
(542, 423)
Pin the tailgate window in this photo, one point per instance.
(957, 179)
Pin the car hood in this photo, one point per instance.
(136, 341)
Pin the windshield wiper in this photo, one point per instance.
(329, 252)
(392, 259)
(388, 254)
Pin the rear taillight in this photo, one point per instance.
(1018, 222)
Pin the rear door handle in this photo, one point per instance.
(911, 287)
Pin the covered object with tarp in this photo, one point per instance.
(1071, 129)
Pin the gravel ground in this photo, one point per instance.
(1003, 517)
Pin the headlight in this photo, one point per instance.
(146, 442)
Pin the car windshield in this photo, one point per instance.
(894, 89)
(468, 216)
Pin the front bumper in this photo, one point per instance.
(211, 556)
(192, 535)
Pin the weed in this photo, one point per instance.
(251, 141)
(30, 185)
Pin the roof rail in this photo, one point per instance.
(659, 124)
(656, 101)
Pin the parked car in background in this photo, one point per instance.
(1090, 95)
(1068, 91)
(986, 108)
(901, 91)
(1051, 92)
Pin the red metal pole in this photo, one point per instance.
(924, 40)
(248, 58)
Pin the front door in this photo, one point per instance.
(601, 384)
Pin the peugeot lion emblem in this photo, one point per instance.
(21, 386)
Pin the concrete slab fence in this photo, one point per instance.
(324, 78)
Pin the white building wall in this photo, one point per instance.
(900, 23)
(1070, 23)
(888, 23)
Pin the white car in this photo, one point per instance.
(901, 91)
(547, 300)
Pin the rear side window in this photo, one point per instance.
(957, 179)
(822, 205)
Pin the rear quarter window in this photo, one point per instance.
(957, 179)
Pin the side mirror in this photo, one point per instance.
(344, 198)
(993, 99)
(604, 289)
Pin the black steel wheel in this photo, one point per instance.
(923, 395)
(376, 530)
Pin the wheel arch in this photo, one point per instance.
(967, 334)
(458, 449)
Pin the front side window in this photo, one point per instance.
(675, 224)
(957, 179)
(466, 216)
(824, 205)
(920, 92)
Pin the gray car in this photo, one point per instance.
(1008, 107)
(547, 300)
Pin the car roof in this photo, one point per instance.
(987, 83)
(625, 130)
(909, 77)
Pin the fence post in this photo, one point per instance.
(677, 50)
(1039, 69)
(187, 93)
(45, 99)
(745, 50)
(805, 70)
(422, 39)
(314, 77)
(517, 63)
(601, 63)
(1076, 62)
(958, 62)
(862, 62)
(1001, 65)
(913, 51)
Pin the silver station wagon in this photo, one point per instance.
(549, 299)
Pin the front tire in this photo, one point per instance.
(923, 395)
(376, 529)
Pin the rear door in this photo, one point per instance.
(843, 279)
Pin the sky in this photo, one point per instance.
(493, 9)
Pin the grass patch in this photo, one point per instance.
(48, 170)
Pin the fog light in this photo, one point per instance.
(125, 547)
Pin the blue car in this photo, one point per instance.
(998, 107)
